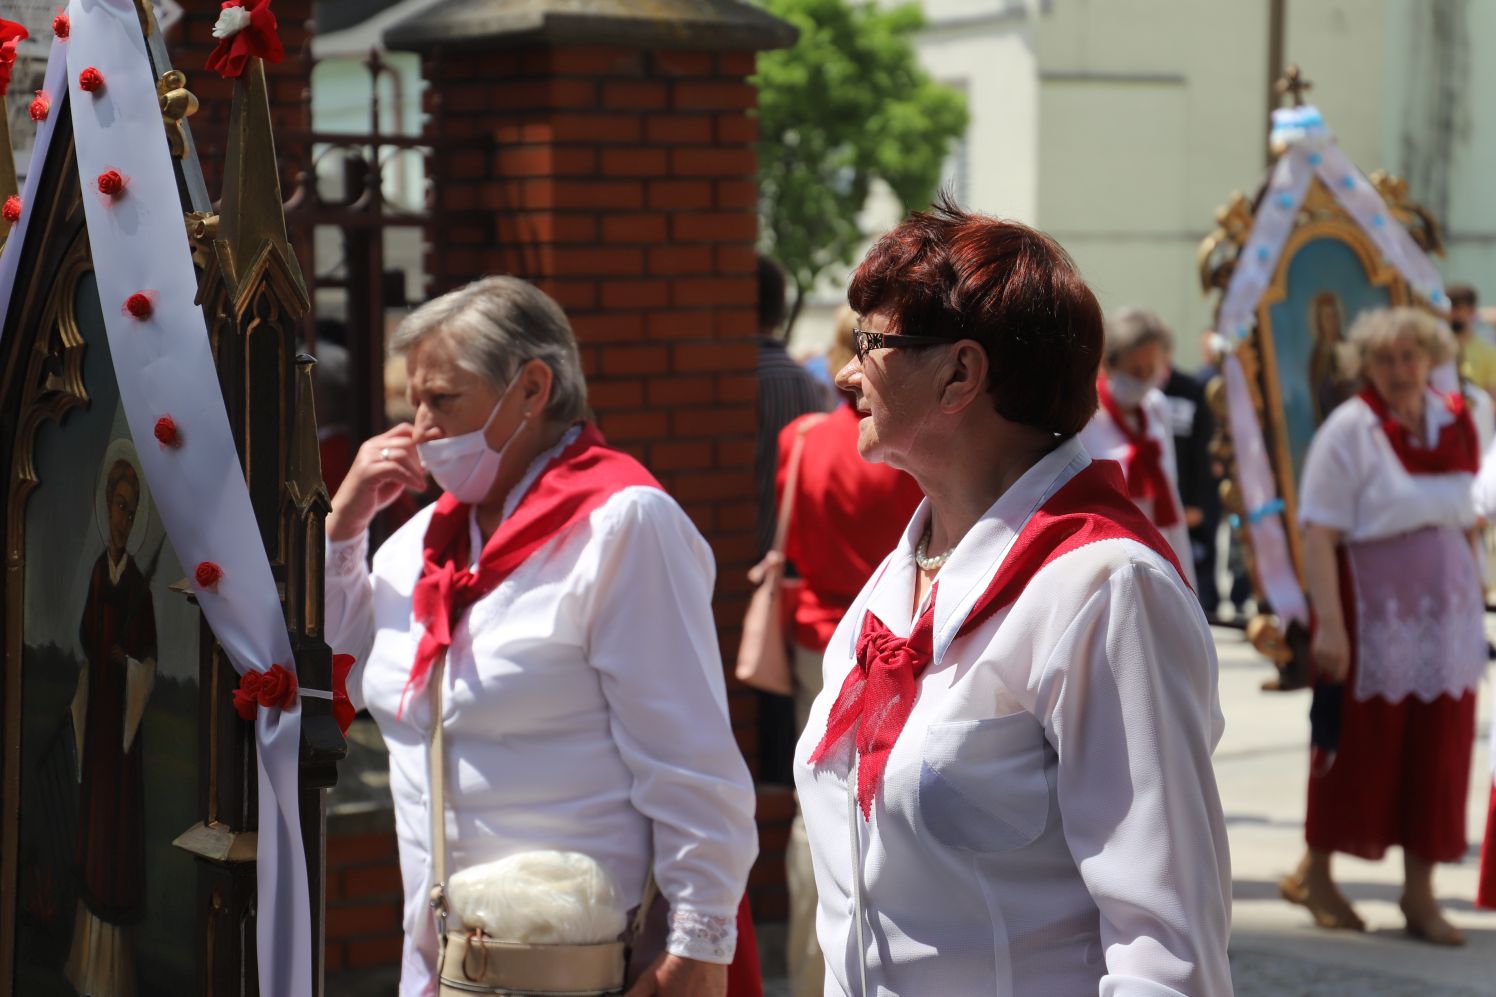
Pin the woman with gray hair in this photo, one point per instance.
(1131, 424)
(550, 617)
(1398, 637)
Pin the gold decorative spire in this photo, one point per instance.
(252, 221)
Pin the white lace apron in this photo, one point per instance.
(1420, 615)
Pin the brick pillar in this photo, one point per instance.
(190, 41)
(621, 179)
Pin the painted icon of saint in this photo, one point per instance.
(1328, 384)
(118, 635)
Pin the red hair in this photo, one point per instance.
(956, 275)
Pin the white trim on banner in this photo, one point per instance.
(1308, 152)
(165, 366)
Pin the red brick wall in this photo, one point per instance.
(364, 901)
(622, 182)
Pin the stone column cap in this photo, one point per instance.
(712, 25)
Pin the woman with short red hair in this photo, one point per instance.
(1007, 781)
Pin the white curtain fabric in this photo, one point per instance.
(164, 366)
(1308, 152)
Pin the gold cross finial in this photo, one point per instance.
(1294, 84)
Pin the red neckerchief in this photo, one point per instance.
(570, 488)
(1458, 446)
(878, 694)
(1145, 459)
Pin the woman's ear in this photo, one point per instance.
(535, 384)
(963, 376)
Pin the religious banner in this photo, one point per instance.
(155, 568)
(1318, 244)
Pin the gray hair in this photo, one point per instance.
(1379, 328)
(496, 325)
(1129, 328)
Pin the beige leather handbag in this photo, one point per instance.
(763, 652)
(470, 962)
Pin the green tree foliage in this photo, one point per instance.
(847, 105)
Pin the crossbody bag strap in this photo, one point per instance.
(791, 479)
(438, 802)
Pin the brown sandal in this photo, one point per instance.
(1341, 917)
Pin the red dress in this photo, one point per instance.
(1391, 745)
(118, 616)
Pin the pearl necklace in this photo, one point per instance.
(921, 554)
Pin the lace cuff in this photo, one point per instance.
(348, 558)
(705, 937)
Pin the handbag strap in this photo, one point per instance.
(791, 479)
(437, 764)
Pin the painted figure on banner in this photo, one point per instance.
(118, 635)
(1326, 367)
(1325, 285)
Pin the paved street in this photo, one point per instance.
(1261, 766)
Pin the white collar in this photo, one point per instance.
(977, 557)
(116, 568)
(475, 535)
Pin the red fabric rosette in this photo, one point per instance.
(41, 106)
(278, 688)
(62, 27)
(247, 696)
(140, 305)
(11, 210)
(90, 80)
(111, 183)
(259, 37)
(11, 35)
(167, 433)
(208, 575)
(274, 687)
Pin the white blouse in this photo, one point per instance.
(583, 708)
(1048, 822)
(1103, 439)
(1353, 481)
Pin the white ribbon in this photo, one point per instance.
(1309, 152)
(164, 365)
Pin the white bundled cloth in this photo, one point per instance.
(539, 898)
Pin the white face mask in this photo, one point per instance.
(466, 465)
(1127, 391)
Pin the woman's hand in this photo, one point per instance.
(1331, 650)
(677, 976)
(384, 466)
(773, 562)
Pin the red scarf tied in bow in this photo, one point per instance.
(1456, 450)
(879, 692)
(569, 489)
(1145, 459)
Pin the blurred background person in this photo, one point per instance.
(1477, 357)
(1398, 639)
(1131, 425)
(786, 391)
(833, 544)
(1192, 426)
(1465, 311)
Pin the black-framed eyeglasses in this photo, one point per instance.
(865, 342)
